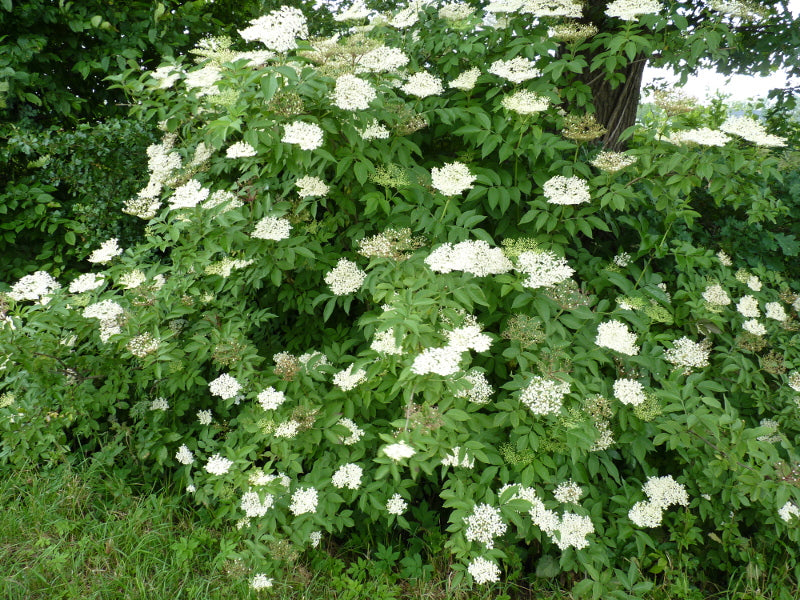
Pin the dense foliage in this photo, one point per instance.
(388, 282)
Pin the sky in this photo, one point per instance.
(738, 87)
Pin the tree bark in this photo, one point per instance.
(616, 107)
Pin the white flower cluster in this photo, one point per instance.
(220, 197)
(159, 403)
(162, 162)
(278, 30)
(775, 310)
(525, 102)
(688, 354)
(304, 501)
(260, 581)
(516, 70)
(345, 278)
(422, 85)
(396, 505)
(204, 417)
(355, 12)
(662, 492)
(568, 492)
(353, 93)
(240, 150)
(503, 6)
(484, 524)
(724, 259)
(399, 451)
(38, 286)
(348, 476)
(794, 380)
(748, 307)
(788, 511)
(142, 345)
(166, 76)
(217, 465)
(544, 396)
(189, 195)
(552, 8)
(347, 380)
(384, 343)
(468, 337)
(374, 131)
(315, 537)
(751, 130)
(225, 267)
(204, 79)
(272, 228)
(225, 386)
(441, 361)
(613, 161)
(483, 570)
(85, 283)
(466, 80)
(406, 17)
(543, 268)
(306, 135)
(629, 10)
(356, 432)
(702, 136)
(455, 11)
(629, 391)
(616, 336)
(184, 455)
(452, 460)
(716, 295)
(106, 252)
(104, 310)
(287, 429)
(481, 390)
(311, 186)
(270, 398)
(566, 190)
(565, 531)
(253, 506)
(755, 327)
(382, 58)
(452, 179)
(475, 257)
(572, 530)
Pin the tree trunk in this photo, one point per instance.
(616, 107)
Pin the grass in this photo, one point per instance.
(70, 533)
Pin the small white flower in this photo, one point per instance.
(307, 135)
(184, 455)
(204, 417)
(240, 150)
(483, 571)
(348, 476)
(629, 391)
(260, 582)
(396, 505)
(399, 451)
(217, 465)
(270, 398)
(452, 179)
(345, 278)
(304, 501)
(225, 386)
(107, 251)
(422, 85)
